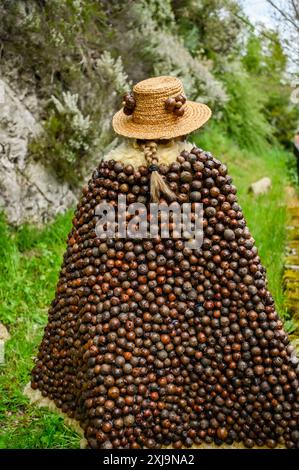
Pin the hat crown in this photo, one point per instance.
(150, 96)
(164, 85)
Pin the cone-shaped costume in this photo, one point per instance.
(151, 344)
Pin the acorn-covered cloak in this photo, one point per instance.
(151, 344)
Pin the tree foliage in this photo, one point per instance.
(286, 13)
(95, 50)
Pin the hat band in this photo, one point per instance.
(150, 105)
(155, 118)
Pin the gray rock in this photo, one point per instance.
(261, 186)
(4, 335)
(29, 192)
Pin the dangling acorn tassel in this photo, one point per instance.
(159, 186)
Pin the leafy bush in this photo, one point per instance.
(161, 51)
(210, 27)
(67, 139)
(243, 115)
(71, 141)
(266, 62)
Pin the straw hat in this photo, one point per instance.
(154, 116)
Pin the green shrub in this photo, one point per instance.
(243, 115)
(67, 140)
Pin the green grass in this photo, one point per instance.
(30, 260)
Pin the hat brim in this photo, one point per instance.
(195, 116)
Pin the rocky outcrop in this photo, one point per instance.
(28, 191)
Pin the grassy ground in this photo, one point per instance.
(29, 266)
(29, 263)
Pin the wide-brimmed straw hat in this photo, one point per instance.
(157, 109)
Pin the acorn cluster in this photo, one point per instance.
(176, 104)
(129, 103)
(152, 344)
